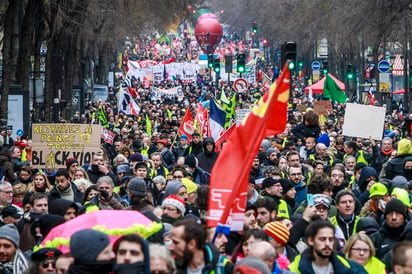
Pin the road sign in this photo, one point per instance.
(316, 65)
(240, 85)
(19, 132)
(384, 66)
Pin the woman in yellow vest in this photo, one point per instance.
(359, 248)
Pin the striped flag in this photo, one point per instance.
(217, 119)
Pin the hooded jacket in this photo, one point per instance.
(362, 194)
(207, 159)
(407, 173)
(385, 238)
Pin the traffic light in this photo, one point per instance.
(265, 42)
(349, 71)
(290, 54)
(216, 65)
(254, 28)
(410, 74)
(210, 61)
(228, 63)
(325, 67)
(241, 58)
(300, 65)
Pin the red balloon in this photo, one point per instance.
(206, 15)
(208, 34)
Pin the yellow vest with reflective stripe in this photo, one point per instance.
(283, 210)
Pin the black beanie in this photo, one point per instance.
(84, 252)
(396, 205)
(286, 185)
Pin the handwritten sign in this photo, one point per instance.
(322, 107)
(53, 144)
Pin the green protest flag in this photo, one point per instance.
(332, 90)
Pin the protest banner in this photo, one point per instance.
(323, 107)
(53, 144)
(364, 121)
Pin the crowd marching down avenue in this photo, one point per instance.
(204, 155)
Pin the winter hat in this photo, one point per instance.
(367, 224)
(190, 185)
(184, 137)
(270, 151)
(396, 205)
(123, 169)
(190, 161)
(172, 187)
(70, 162)
(140, 165)
(10, 232)
(402, 195)
(137, 157)
(137, 186)
(10, 211)
(400, 182)
(45, 254)
(175, 201)
(278, 231)
(324, 139)
(359, 165)
(265, 144)
(389, 133)
(251, 265)
(167, 229)
(404, 147)
(268, 182)
(378, 189)
(60, 206)
(88, 252)
(286, 185)
(164, 142)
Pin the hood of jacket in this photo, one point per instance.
(209, 140)
(365, 173)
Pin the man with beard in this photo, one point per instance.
(208, 157)
(396, 217)
(272, 188)
(320, 257)
(195, 147)
(12, 259)
(64, 188)
(191, 252)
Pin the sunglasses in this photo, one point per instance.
(47, 264)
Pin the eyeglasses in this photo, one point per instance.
(178, 177)
(7, 192)
(46, 264)
(361, 250)
(337, 176)
(169, 209)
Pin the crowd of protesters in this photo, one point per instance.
(317, 201)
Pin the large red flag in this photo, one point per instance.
(202, 121)
(230, 175)
(186, 126)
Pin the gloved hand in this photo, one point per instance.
(104, 195)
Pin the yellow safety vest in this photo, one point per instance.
(283, 210)
(334, 221)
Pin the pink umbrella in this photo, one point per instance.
(401, 91)
(114, 223)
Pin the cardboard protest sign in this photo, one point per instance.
(364, 121)
(53, 144)
(301, 108)
(323, 107)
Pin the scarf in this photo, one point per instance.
(66, 194)
(387, 153)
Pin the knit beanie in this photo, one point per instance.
(137, 157)
(265, 144)
(70, 162)
(270, 151)
(175, 201)
(137, 186)
(399, 181)
(404, 147)
(86, 244)
(278, 231)
(190, 161)
(190, 185)
(172, 187)
(324, 139)
(396, 205)
(10, 232)
(286, 185)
